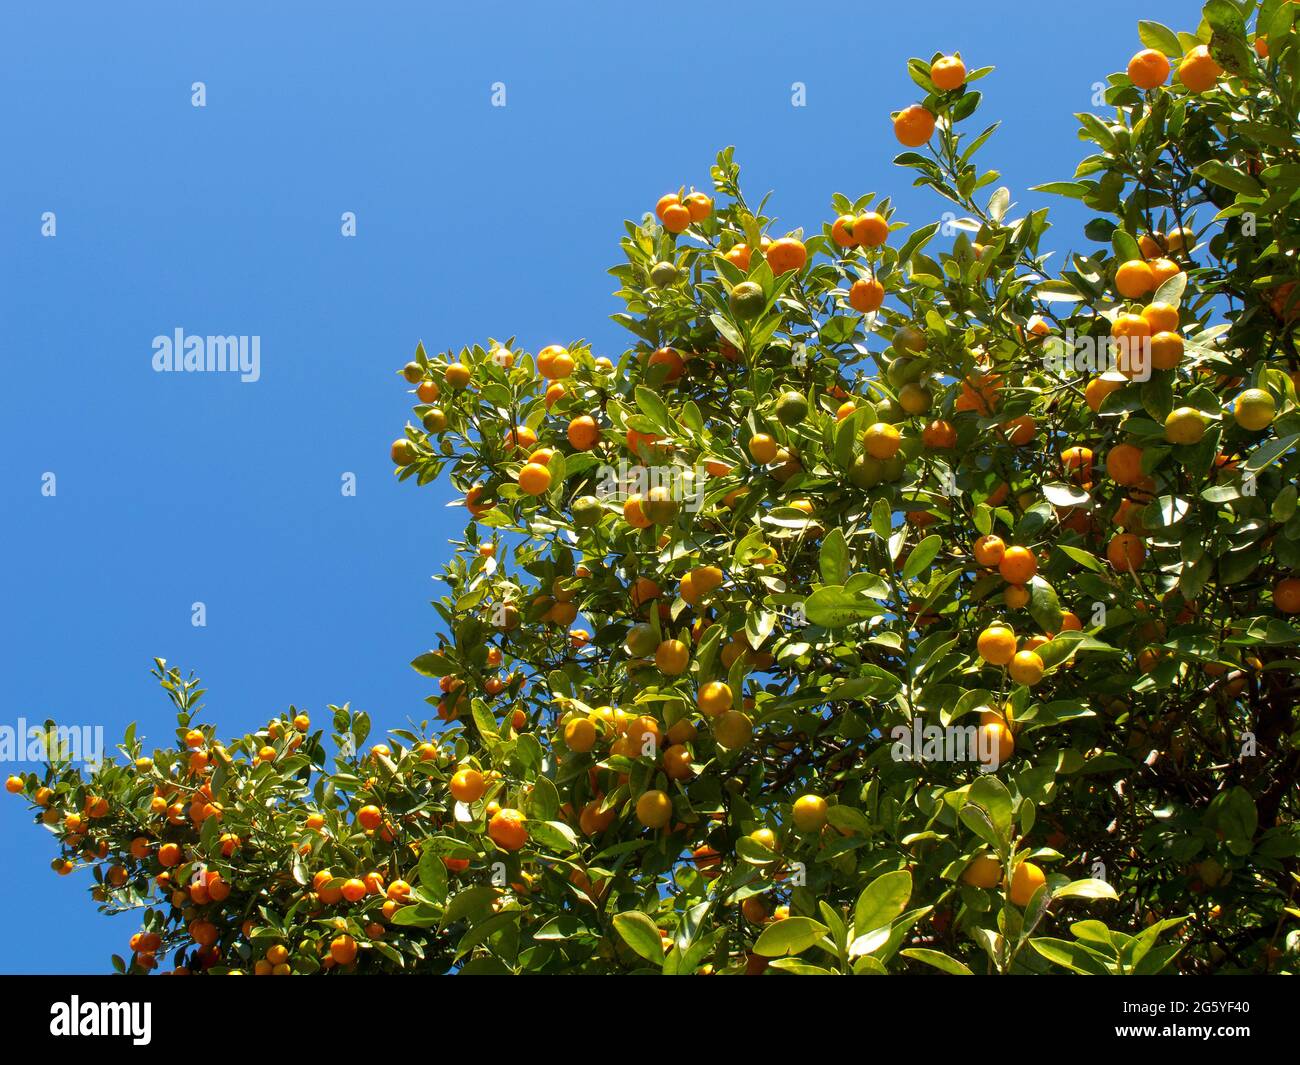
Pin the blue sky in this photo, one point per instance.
(472, 221)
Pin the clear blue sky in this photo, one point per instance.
(472, 221)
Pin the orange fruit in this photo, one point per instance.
(810, 813)
(1254, 409)
(1079, 461)
(842, 231)
(670, 358)
(738, 256)
(948, 72)
(733, 729)
(370, 817)
(1134, 278)
(786, 254)
(1018, 565)
(1198, 71)
(1016, 596)
(583, 432)
(1184, 426)
(1148, 69)
(654, 809)
(1286, 595)
(699, 205)
(939, 435)
(169, 855)
(467, 785)
(534, 479)
(984, 871)
(580, 735)
(354, 890)
(1166, 350)
(866, 295)
(1163, 269)
(997, 644)
(343, 949)
(672, 657)
(508, 830)
(1124, 464)
(913, 126)
(762, 448)
(989, 550)
(715, 698)
(677, 762)
(881, 440)
(676, 218)
(1098, 389)
(1027, 879)
(1161, 317)
(14, 785)
(1126, 551)
(1026, 668)
(458, 375)
(870, 230)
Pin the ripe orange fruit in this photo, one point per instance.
(583, 432)
(939, 435)
(810, 813)
(786, 254)
(1026, 668)
(997, 644)
(1126, 552)
(654, 809)
(1016, 596)
(699, 205)
(738, 256)
(1163, 269)
(354, 890)
(534, 479)
(989, 551)
(714, 699)
(1161, 317)
(1134, 278)
(169, 855)
(1148, 69)
(580, 735)
(1098, 389)
(467, 785)
(458, 375)
(520, 439)
(507, 829)
(881, 440)
(1027, 879)
(842, 231)
(870, 230)
(14, 785)
(1198, 71)
(370, 817)
(1124, 464)
(1018, 565)
(1166, 350)
(1079, 461)
(762, 448)
(677, 762)
(670, 358)
(672, 657)
(1286, 595)
(984, 871)
(676, 217)
(948, 72)
(913, 126)
(866, 295)
(343, 949)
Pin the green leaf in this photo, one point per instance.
(791, 936)
(922, 555)
(1090, 888)
(834, 557)
(1229, 177)
(641, 934)
(937, 960)
(1161, 38)
(832, 607)
(881, 901)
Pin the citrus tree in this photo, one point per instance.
(899, 600)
